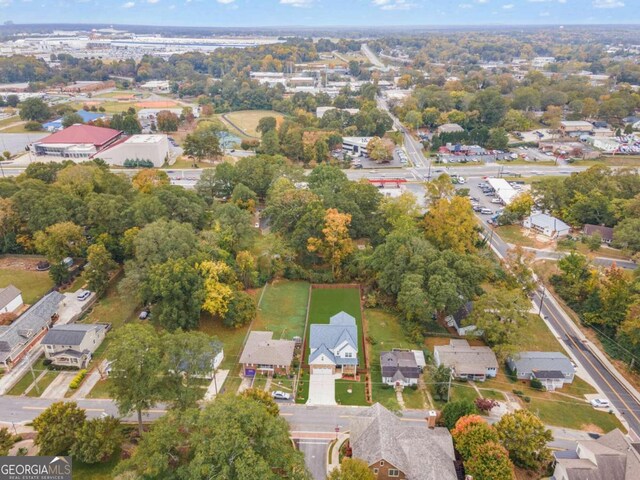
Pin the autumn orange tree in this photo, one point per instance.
(148, 179)
(451, 225)
(336, 244)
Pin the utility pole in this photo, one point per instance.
(544, 291)
(449, 387)
(34, 378)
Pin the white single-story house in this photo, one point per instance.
(10, 299)
(547, 225)
(552, 369)
(465, 361)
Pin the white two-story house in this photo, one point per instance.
(333, 347)
(73, 345)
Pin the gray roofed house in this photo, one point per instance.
(399, 368)
(334, 345)
(547, 225)
(456, 321)
(263, 354)
(465, 361)
(611, 457)
(73, 345)
(553, 369)
(393, 448)
(15, 339)
(10, 299)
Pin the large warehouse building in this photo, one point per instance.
(85, 142)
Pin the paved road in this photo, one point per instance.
(582, 351)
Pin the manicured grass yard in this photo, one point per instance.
(303, 387)
(283, 309)
(259, 382)
(513, 234)
(43, 383)
(536, 336)
(282, 384)
(97, 471)
(570, 414)
(32, 284)
(248, 120)
(382, 395)
(356, 397)
(27, 379)
(327, 302)
(463, 391)
(413, 398)
(100, 390)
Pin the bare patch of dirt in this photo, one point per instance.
(19, 263)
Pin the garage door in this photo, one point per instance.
(322, 371)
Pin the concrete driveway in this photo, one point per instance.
(322, 389)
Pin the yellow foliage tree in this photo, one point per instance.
(450, 225)
(218, 292)
(336, 244)
(149, 178)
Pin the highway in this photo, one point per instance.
(583, 352)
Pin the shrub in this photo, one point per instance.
(414, 386)
(33, 126)
(526, 399)
(537, 384)
(485, 404)
(77, 380)
(453, 411)
(249, 144)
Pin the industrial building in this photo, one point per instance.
(151, 148)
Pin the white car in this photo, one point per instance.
(496, 200)
(280, 395)
(600, 403)
(83, 295)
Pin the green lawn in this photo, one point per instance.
(493, 394)
(43, 383)
(259, 382)
(283, 384)
(327, 302)
(357, 395)
(32, 284)
(570, 414)
(115, 307)
(100, 390)
(385, 396)
(27, 379)
(231, 338)
(303, 387)
(536, 336)
(283, 309)
(413, 398)
(463, 391)
(513, 234)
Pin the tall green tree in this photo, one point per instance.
(100, 266)
(137, 370)
(97, 440)
(34, 109)
(57, 427)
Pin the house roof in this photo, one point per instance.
(395, 362)
(261, 349)
(72, 334)
(8, 295)
(526, 362)
(322, 350)
(548, 374)
(605, 232)
(465, 359)
(616, 458)
(341, 327)
(82, 134)
(419, 452)
(27, 325)
(542, 220)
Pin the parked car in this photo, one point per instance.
(600, 403)
(144, 314)
(496, 200)
(486, 211)
(83, 295)
(278, 395)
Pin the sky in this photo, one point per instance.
(248, 13)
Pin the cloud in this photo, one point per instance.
(608, 3)
(225, 2)
(129, 5)
(465, 6)
(297, 3)
(508, 6)
(152, 1)
(393, 4)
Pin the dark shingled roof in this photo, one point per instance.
(72, 334)
(403, 362)
(7, 295)
(547, 374)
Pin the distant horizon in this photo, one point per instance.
(322, 13)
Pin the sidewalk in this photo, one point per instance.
(334, 461)
(11, 378)
(221, 376)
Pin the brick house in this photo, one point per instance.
(263, 354)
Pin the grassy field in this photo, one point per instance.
(247, 120)
(19, 129)
(32, 284)
(116, 307)
(231, 338)
(571, 414)
(9, 121)
(536, 336)
(413, 398)
(382, 395)
(327, 302)
(513, 234)
(27, 379)
(100, 390)
(283, 309)
(601, 252)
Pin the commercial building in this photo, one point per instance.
(87, 117)
(465, 361)
(148, 148)
(449, 128)
(547, 225)
(504, 190)
(77, 141)
(575, 128)
(356, 145)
